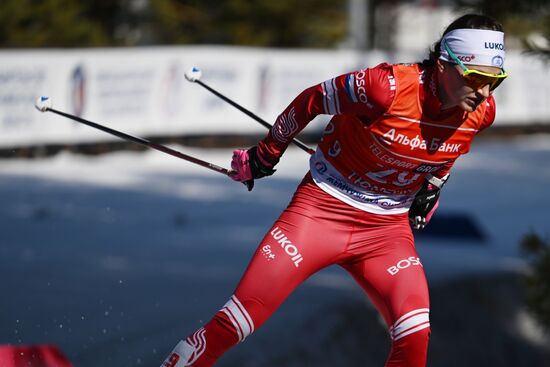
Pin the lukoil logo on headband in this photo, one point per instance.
(494, 46)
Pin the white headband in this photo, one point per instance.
(475, 47)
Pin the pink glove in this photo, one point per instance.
(240, 168)
(247, 165)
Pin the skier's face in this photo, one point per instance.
(454, 89)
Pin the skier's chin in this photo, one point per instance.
(468, 105)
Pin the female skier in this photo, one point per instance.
(395, 133)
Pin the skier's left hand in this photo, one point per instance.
(426, 202)
(419, 218)
(247, 165)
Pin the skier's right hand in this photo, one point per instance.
(247, 165)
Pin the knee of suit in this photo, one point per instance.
(419, 338)
(237, 318)
(415, 324)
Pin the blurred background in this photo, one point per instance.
(115, 253)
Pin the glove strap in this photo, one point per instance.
(436, 181)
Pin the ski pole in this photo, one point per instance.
(194, 74)
(44, 104)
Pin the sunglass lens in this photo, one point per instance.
(478, 81)
(496, 83)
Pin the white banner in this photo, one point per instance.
(143, 92)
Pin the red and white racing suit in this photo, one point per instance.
(351, 209)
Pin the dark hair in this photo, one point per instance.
(473, 21)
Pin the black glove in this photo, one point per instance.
(425, 202)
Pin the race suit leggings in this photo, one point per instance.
(316, 231)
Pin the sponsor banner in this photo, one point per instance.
(143, 91)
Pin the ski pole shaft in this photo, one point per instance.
(194, 76)
(144, 142)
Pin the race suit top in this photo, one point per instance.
(387, 134)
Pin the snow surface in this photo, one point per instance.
(115, 258)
